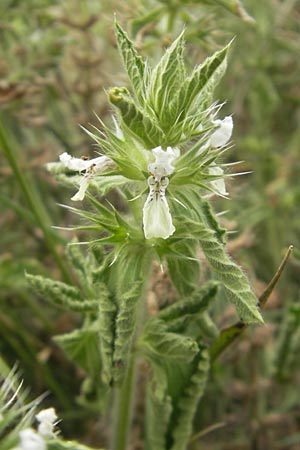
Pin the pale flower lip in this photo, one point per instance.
(219, 138)
(157, 219)
(221, 135)
(83, 185)
(218, 185)
(30, 440)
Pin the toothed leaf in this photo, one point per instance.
(134, 64)
(61, 294)
(137, 121)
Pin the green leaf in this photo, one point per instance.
(138, 123)
(172, 398)
(105, 220)
(199, 79)
(157, 341)
(197, 303)
(182, 418)
(81, 264)
(207, 329)
(61, 294)
(166, 79)
(134, 64)
(228, 272)
(158, 413)
(82, 347)
(183, 269)
(125, 326)
(121, 151)
(208, 216)
(107, 317)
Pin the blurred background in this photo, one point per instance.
(57, 58)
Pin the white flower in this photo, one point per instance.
(219, 184)
(30, 440)
(91, 167)
(223, 133)
(80, 164)
(219, 138)
(157, 219)
(47, 420)
(163, 164)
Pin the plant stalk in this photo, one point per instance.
(123, 408)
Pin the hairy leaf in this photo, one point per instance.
(172, 396)
(183, 414)
(134, 64)
(81, 264)
(106, 321)
(158, 413)
(183, 268)
(61, 294)
(166, 79)
(82, 347)
(124, 329)
(233, 278)
(197, 81)
(139, 123)
(159, 342)
(196, 303)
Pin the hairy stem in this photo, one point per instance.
(123, 408)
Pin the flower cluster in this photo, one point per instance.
(157, 218)
(32, 440)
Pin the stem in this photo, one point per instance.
(34, 201)
(123, 410)
(124, 394)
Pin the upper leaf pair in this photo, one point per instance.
(169, 105)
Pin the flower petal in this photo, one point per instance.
(163, 164)
(78, 164)
(222, 135)
(83, 185)
(157, 219)
(30, 440)
(47, 415)
(219, 184)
